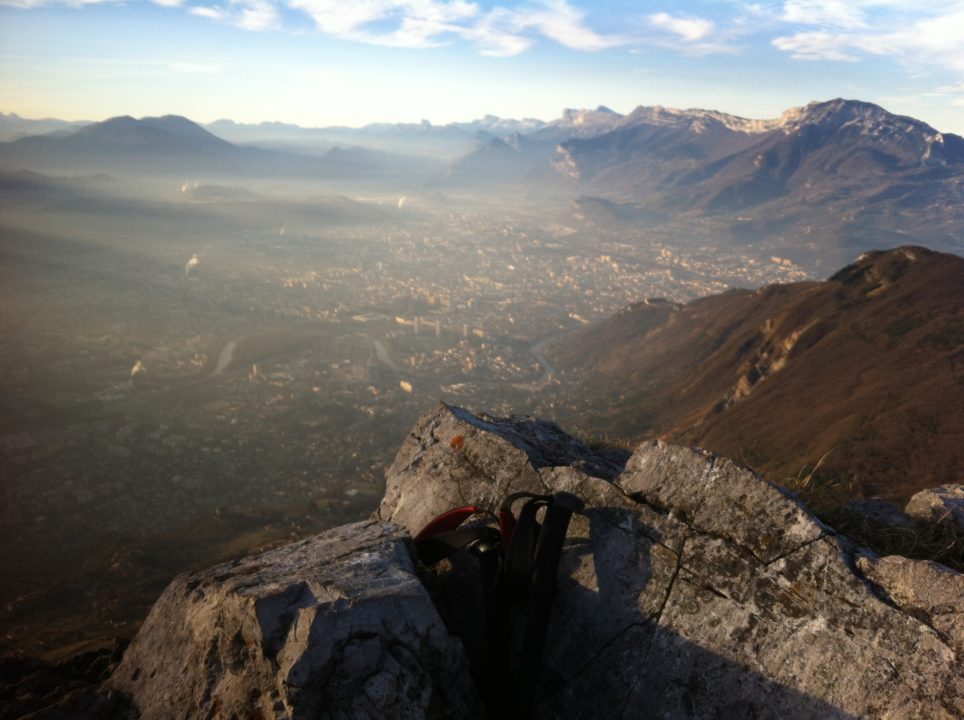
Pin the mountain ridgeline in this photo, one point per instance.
(864, 372)
(819, 184)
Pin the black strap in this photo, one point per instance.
(541, 593)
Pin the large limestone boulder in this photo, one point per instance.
(335, 626)
(691, 588)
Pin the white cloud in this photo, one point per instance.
(688, 29)
(499, 31)
(257, 15)
(27, 4)
(931, 37)
(838, 30)
(498, 34)
(821, 46)
(834, 13)
(563, 23)
(502, 32)
(209, 12)
(418, 22)
(252, 15)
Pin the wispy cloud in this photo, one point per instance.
(252, 15)
(828, 46)
(502, 32)
(807, 30)
(690, 35)
(565, 24)
(26, 4)
(397, 23)
(688, 29)
(928, 35)
(834, 13)
(499, 31)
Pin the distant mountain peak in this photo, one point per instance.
(585, 117)
(177, 124)
(698, 118)
(841, 113)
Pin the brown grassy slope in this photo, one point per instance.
(867, 366)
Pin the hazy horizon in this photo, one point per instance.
(465, 120)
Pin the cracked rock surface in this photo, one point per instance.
(688, 588)
(691, 588)
(334, 626)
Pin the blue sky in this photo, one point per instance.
(330, 62)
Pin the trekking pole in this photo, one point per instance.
(542, 592)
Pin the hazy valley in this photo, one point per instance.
(214, 343)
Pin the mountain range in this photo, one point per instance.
(862, 373)
(831, 178)
(817, 185)
(177, 146)
(841, 169)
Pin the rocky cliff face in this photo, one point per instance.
(689, 588)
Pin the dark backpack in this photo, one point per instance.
(518, 561)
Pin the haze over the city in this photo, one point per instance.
(319, 63)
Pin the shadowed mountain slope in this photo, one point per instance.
(866, 368)
(830, 177)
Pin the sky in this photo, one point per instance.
(319, 63)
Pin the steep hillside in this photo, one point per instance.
(865, 370)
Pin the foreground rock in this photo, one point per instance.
(689, 588)
(943, 504)
(335, 626)
(693, 589)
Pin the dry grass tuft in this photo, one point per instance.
(597, 442)
(940, 541)
(826, 495)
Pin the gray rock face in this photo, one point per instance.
(440, 466)
(938, 504)
(691, 588)
(335, 626)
